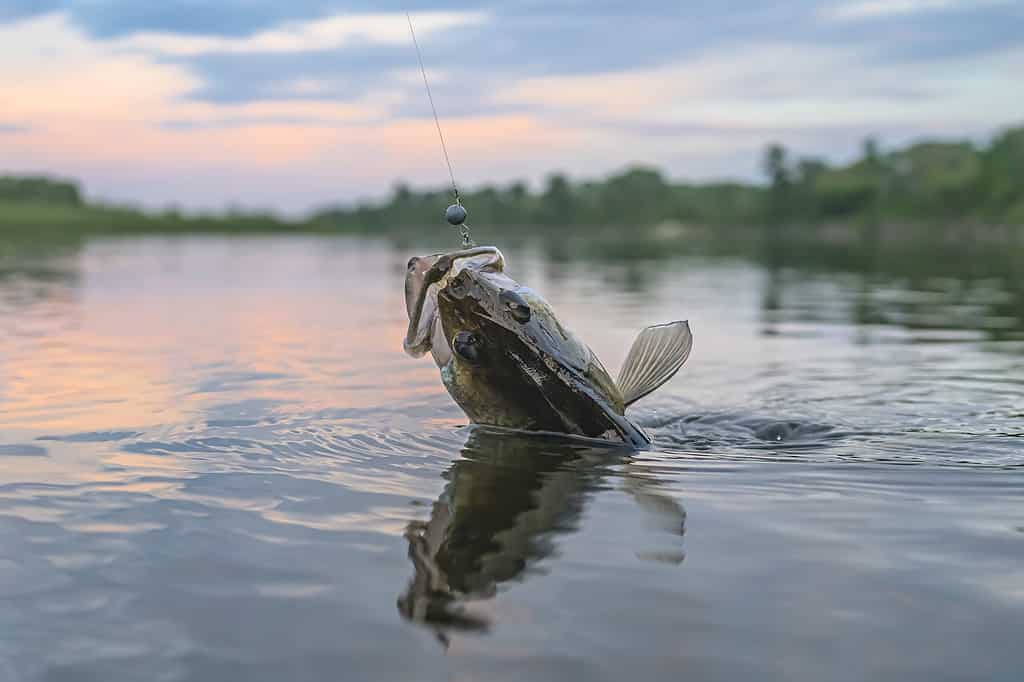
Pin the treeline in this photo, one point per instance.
(41, 190)
(928, 181)
(31, 204)
(638, 196)
(27, 218)
(950, 182)
(94, 218)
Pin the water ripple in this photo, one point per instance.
(217, 463)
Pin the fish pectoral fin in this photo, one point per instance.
(657, 354)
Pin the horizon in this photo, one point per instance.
(296, 108)
(387, 195)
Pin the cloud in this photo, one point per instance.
(13, 10)
(470, 55)
(51, 73)
(293, 104)
(874, 9)
(304, 36)
(276, 121)
(12, 128)
(113, 19)
(819, 101)
(184, 124)
(484, 52)
(244, 51)
(109, 19)
(960, 33)
(337, 58)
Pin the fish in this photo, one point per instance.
(508, 501)
(507, 360)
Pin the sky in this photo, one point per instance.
(294, 105)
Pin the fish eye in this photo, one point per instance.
(516, 306)
(468, 346)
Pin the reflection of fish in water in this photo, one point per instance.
(507, 360)
(505, 502)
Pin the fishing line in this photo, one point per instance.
(456, 213)
(430, 96)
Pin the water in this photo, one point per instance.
(216, 463)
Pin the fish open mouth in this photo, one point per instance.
(421, 297)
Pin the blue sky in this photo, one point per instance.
(292, 105)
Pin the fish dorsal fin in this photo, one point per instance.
(657, 354)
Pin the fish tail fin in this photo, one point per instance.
(656, 355)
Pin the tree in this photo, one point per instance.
(556, 203)
(808, 174)
(776, 167)
(41, 190)
(871, 155)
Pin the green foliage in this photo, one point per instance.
(19, 218)
(1001, 179)
(928, 182)
(40, 189)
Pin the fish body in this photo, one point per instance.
(508, 361)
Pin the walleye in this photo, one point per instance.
(508, 502)
(507, 360)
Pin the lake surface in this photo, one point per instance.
(216, 463)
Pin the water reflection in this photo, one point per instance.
(928, 286)
(35, 274)
(506, 503)
(925, 286)
(210, 449)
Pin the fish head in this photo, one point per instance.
(424, 277)
(490, 319)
